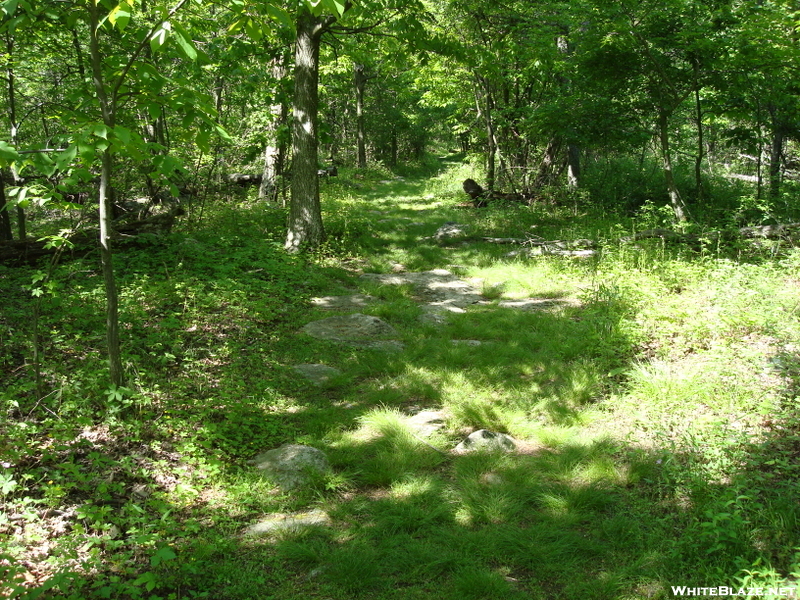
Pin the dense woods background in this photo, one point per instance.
(277, 141)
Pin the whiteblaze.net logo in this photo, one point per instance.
(745, 592)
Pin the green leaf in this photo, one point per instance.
(338, 7)
(221, 132)
(164, 554)
(185, 42)
(120, 16)
(7, 152)
(159, 36)
(280, 15)
(100, 130)
(253, 29)
(123, 134)
(9, 7)
(65, 158)
(154, 110)
(202, 138)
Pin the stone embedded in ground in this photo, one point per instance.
(437, 315)
(484, 440)
(450, 231)
(291, 465)
(466, 342)
(316, 373)
(342, 302)
(434, 288)
(292, 522)
(427, 422)
(354, 329)
(539, 303)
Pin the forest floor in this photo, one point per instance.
(654, 401)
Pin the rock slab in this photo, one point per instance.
(342, 302)
(484, 440)
(317, 374)
(363, 331)
(292, 522)
(291, 465)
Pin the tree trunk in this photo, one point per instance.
(698, 116)
(305, 217)
(675, 200)
(549, 168)
(361, 135)
(491, 145)
(573, 150)
(573, 166)
(775, 154)
(12, 119)
(273, 159)
(107, 110)
(5, 218)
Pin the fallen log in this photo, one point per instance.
(786, 231)
(125, 232)
(481, 197)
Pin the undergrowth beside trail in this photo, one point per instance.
(655, 401)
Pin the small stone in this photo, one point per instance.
(484, 440)
(466, 342)
(342, 302)
(292, 522)
(291, 465)
(316, 373)
(427, 422)
(450, 231)
(353, 327)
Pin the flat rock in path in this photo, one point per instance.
(434, 288)
(291, 465)
(349, 327)
(484, 440)
(451, 231)
(532, 304)
(280, 522)
(427, 422)
(355, 301)
(355, 330)
(316, 373)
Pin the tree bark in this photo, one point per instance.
(698, 117)
(491, 140)
(360, 80)
(775, 153)
(5, 218)
(675, 200)
(305, 216)
(273, 154)
(573, 166)
(107, 110)
(550, 167)
(14, 125)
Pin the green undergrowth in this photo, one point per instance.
(653, 396)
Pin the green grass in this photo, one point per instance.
(655, 400)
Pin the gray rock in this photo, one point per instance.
(291, 465)
(466, 342)
(316, 373)
(342, 302)
(532, 304)
(484, 440)
(434, 288)
(354, 327)
(427, 422)
(450, 231)
(292, 522)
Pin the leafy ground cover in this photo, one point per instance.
(658, 407)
